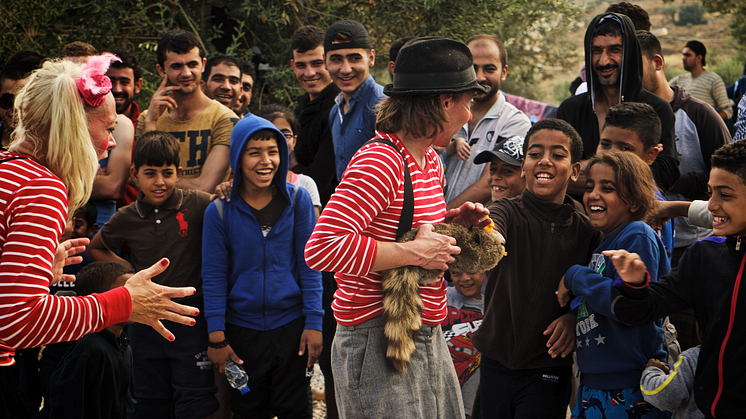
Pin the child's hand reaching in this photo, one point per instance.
(312, 339)
(629, 266)
(462, 148)
(657, 364)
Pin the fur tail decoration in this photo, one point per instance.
(481, 250)
(402, 307)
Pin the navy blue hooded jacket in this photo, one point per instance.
(253, 281)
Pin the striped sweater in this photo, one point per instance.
(33, 210)
(365, 209)
(707, 87)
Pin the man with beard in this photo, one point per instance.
(492, 118)
(202, 125)
(223, 80)
(126, 82)
(700, 83)
(613, 66)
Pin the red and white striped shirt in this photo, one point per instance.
(366, 208)
(33, 209)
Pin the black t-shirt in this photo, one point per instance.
(271, 213)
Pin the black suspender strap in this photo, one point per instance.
(407, 210)
(12, 158)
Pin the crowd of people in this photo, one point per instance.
(256, 241)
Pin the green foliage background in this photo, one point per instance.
(534, 31)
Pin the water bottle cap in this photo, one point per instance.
(244, 390)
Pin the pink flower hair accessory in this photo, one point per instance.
(92, 82)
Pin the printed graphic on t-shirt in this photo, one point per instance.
(196, 141)
(585, 322)
(458, 328)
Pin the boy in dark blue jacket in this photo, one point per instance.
(262, 301)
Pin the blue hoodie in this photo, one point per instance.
(253, 281)
(611, 354)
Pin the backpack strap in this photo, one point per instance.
(407, 210)
(221, 208)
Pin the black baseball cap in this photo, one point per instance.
(509, 150)
(346, 34)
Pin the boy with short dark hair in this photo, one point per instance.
(92, 380)
(546, 232)
(171, 379)
(262, 301)
(708, 281)
(631, 127)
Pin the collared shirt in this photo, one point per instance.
(173, 230)
(502, 120)
(352, 129)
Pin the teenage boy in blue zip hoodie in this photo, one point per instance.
(262, 301)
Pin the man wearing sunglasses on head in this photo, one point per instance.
(12, 79)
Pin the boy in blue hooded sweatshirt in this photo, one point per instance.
(262, 301)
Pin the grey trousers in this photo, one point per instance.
(367, 387)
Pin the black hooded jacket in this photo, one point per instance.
(579, 112)
(707, 280)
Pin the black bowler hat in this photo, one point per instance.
(509, 150)
(433, 66)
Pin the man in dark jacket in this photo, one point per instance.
(314, 152)
(613, 66)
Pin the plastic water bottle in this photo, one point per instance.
(236, 376)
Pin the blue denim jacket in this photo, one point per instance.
(351, 130)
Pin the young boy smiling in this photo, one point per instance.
(708, 281)
(262, 301)
(172, 379)
(546, 233)
(505, 167)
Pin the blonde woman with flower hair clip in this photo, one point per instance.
(65, 123)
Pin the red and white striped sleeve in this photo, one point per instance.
(366, 208)
(33, 209)
(339, 242)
